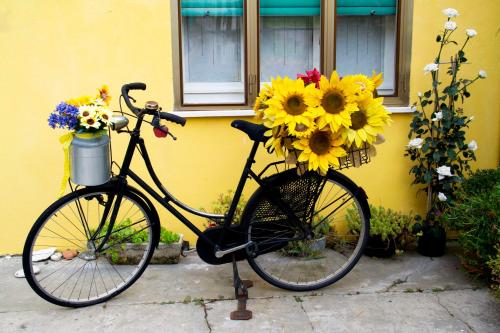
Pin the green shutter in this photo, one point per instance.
(366, 7)
(290, 7)
(287, 7)
(212, 8)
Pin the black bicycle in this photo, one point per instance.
(293, 230)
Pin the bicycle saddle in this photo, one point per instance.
(254, 131)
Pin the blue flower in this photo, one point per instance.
(53, 120)
(64, 116)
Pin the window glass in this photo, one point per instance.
(213, 51)
(290, 37)
(366, 39)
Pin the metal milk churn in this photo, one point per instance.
(90, 160)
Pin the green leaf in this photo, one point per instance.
(436, 156)
(428, 176)
(439, 38)
(428, 93)
(452, 154)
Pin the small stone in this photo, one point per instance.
(69, 254)
(20, 273)
(56, 256)
(43, 254)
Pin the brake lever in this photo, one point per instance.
(133, 99)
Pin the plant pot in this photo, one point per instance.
(432, 243)
(376, 247)
(132, 253)
(318, 244)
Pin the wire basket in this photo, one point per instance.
(355, 157)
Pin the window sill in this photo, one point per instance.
(250, 113)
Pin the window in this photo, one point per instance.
(224, 50)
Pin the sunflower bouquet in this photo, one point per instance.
(85, 114)
(322, 121)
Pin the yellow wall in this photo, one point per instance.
(51, 50)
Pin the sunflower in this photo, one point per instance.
(321, 150)
(104, 94)
(260, 102)
(82, 100)
(289, 103)
(278, 140)
(335, 102)
(300, 130)
(362, 86)
(367, 122)
(377, 79)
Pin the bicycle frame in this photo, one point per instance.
(137, 142)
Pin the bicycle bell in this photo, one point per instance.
(151, 106)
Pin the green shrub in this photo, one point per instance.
(222, 204)
(168, 237)
(385, 223)
(125, 233)
(475, 216)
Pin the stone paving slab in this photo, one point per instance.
(409, 293)
(108, 318)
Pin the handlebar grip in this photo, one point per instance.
(173, 118)
(131, 86)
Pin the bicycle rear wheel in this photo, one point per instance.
(299, 226)
(75, 223)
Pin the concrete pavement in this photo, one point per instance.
(409, 293)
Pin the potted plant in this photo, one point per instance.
(438, 148)
(389, 230)
(310, 248)
(132, 249)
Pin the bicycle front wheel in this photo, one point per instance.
(307, 231)
(74, 226)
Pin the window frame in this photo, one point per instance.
(251, 35)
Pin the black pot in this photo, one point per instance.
(376, 247)
(432, 243)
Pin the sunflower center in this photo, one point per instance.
(333, 102)
(301, 128)
(85, 113)
(320, 142)
(90, 121)
(358, 120)
(295, 105)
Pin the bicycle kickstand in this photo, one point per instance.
(241, 294)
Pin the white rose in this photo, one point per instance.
(415, 143)
(450, 25)
(419, 94)
(432, 67)
(442, 197)
(472, 145)
(450, 12)
(471, 118)
(482, 74)
(437, 116)
(444, 171)
(471, 32)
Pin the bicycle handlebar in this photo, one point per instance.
(131, 86)
(173, 118)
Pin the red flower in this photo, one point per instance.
(310, 77)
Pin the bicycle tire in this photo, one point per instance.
(279, 239)
(56, 225)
